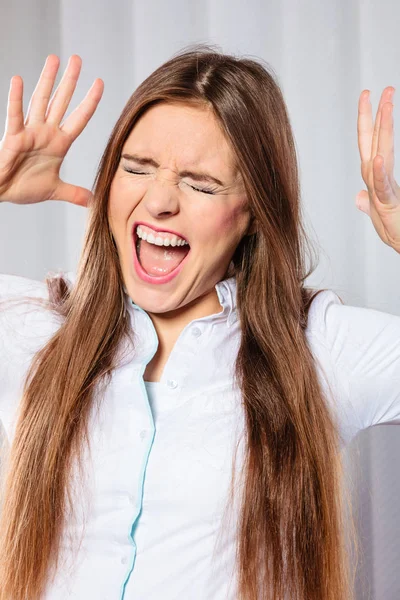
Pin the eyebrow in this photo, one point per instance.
(196, 176)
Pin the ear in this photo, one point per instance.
(252, 226)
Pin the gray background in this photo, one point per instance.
(324, 53)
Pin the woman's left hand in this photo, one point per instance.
(381, 199)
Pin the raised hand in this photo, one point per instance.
(32, 151)
(381, 199)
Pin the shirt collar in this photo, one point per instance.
(226, 291)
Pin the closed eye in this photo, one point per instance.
(204, 191)
(199, 190)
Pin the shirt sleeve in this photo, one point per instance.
(364, 349)
(23, 328)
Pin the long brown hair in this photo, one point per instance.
(291, 536)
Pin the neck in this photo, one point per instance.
(169, 325)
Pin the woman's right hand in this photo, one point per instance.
(32, 151)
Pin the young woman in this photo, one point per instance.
(175, 411)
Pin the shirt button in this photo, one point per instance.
(124, 560)
(196, 332)
(143, 434)
(171, 383)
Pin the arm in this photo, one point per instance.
(364, 346)
(357, 357)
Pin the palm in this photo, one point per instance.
(36, 156)
(381, 199)
(31, 152)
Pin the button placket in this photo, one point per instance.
(186, 351)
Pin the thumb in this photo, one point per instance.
(74, 194)
(362, 202)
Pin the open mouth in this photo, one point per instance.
(159, 260)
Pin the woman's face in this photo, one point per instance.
(168, 140)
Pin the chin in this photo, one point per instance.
(153, 300)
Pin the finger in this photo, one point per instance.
(72, 193)
(15, 117)
(65, 89)
(365, 126)
(386, 96)
(365, 206)
(79, 118)
(382, 186)
(385, 139)
(40, 97)
(362, 202)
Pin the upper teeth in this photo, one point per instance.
(173, 240)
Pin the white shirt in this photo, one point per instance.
(150, 510)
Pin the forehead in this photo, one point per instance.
(182, 136)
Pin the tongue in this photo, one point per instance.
(160, 260)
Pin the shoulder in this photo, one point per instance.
(24, 320)
(358, 350)
(14, 285)
(319, 313)
(26, 325)
(19, 297)
(26, 316)
(23, 301)
(339, 325)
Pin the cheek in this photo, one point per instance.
(225, 225)
(120, 204)
(113, 204)
(237, 218)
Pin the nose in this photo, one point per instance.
(161, 198)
